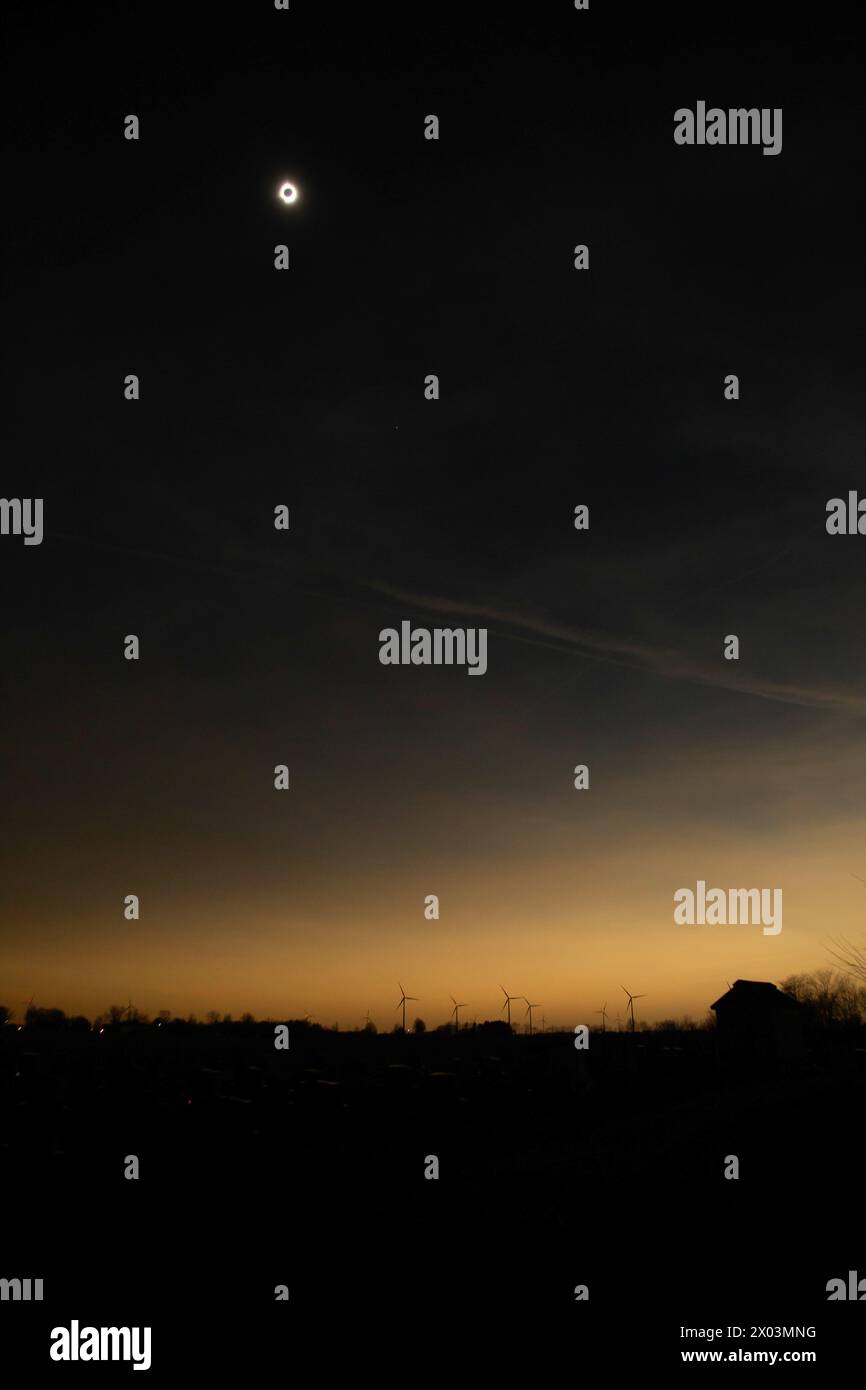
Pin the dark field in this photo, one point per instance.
(306, 1168)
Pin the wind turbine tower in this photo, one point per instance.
(529, 1008)
(507, 1004)
(404, 998)
(630, 1005)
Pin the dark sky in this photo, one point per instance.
(408, 256)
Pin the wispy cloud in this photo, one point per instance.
(638, 655)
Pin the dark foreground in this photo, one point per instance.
(306, 1168)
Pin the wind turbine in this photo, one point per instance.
(507, 1004)
(404, 998)
(630, 1005)
(859, 879)
(529, 1008)
(603, 1012)
(455, 1014)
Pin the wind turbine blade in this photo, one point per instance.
(624, 990)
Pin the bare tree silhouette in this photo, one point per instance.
(852, 958)
(832, 998)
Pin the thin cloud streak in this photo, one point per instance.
(668, 664)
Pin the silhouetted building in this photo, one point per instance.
(755, 1021)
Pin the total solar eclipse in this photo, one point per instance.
(288, 193)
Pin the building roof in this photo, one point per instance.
(755, 993)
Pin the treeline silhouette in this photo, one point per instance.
(830, 1000)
